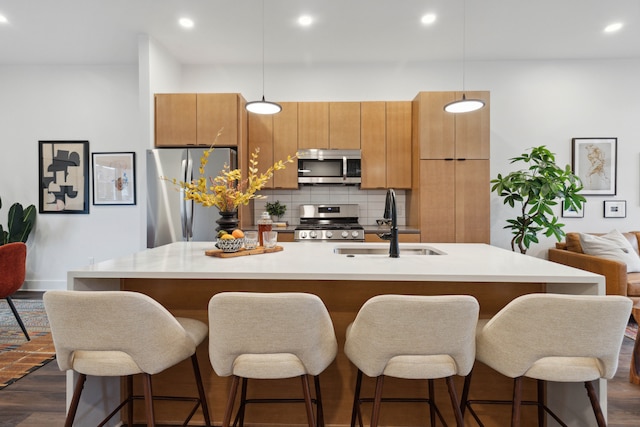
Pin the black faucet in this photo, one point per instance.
(391, 214)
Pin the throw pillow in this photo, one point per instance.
(612, 245)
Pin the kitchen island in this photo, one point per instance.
(182, 278)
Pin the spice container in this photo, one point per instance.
(264, 224)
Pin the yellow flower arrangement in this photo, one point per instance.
(228, 190)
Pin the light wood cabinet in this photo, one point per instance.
(454, 198)
(175, 119)
(344, 125)
(313, 125)
(386, 145)
(443, 135)
(277, 137)
(189, 119)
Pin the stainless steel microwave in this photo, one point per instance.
(317, 166)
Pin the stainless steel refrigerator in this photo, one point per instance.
(170, 218)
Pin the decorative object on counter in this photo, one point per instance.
(276, 210)
(250, 239)
(114, 178)
(595, 161)
(64, 177)
(270, 239)
(230, 245)
(218, 253)
(264, 224)
(20, 222)
(536, 190)
(228, 221)
(230, 188)
(615, 208)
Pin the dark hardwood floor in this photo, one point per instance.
(39, 399)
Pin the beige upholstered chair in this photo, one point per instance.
(121, 334)
(269, 336)
(550, 337)
(412, 337)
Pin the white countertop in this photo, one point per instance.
(317, 261)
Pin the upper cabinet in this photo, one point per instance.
(443, 135)
(386, 144)
(187, 119)
(313, 125)
(344, 125)
(277, 137)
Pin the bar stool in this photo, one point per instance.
(550, 337)
(270, 336)
(120, 334)
(412, 337)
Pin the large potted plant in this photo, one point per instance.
(534, 191)
(19, 225)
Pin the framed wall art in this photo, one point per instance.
(114, 178)
(615, 208)
(595, 162)
(64, 177)
(571, 212)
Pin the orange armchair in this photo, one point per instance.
(13, 258)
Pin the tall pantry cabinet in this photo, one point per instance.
(451, 202)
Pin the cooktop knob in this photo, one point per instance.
(345, 234)
(329, 234)
(354, 234)
(313, 234)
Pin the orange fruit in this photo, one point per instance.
(237, 233)
(227, 237)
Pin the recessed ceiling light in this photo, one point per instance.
(429, 18)
(612, 28)
(305, 20)
(3, 19)
(186, 23)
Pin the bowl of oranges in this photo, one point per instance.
(230, 242)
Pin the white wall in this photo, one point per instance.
(533, 103)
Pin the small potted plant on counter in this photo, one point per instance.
(276, 210)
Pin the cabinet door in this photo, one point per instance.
(344, 125)
(285, 143)
(472, 129)
(175, 119)
(398, 144)
(313, 125)
(435, 127)
(218, 111)
(472, 200)
(261, 138)
(373, 145)
(437, 201)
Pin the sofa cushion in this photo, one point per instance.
(633, 284)
(612, 245)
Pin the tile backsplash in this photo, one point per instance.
(371, 202)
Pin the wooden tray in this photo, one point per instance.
(242, 252)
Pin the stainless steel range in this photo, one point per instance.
(329, 222)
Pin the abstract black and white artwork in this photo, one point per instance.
(64, 177)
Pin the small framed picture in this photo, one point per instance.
(64, 177)
(114, 178)
(571, 212)
(595, 161)
(615, 208)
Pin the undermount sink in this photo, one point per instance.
(363, 250)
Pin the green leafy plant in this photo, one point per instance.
(20, 223)
(534, 191)
(276, 208)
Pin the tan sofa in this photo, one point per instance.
(619, 282)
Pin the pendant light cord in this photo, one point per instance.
(263, 49)
(464, 43)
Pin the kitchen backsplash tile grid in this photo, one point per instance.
(371, 202)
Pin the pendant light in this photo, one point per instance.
(262, 106)
(464, 105)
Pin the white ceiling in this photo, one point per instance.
(230, 31)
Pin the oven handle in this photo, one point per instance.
(344, 168)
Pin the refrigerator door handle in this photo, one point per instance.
(186, 206)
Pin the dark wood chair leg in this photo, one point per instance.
(595, 404)
(130, 400)
(319, 408)
(517, 399)
(239, 420)
(377, 400)
(465, 393)
(73, 408)
(148, 400)
(453, 395)
(203, 398)
(230, 400)
(355, 412)
(541, 403)
(18, 318)
(432, 404)
(306, 390)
